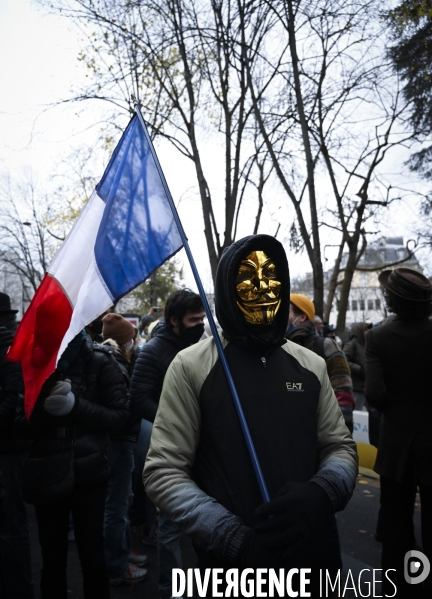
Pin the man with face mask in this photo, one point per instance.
(183, 326)
(198, 469)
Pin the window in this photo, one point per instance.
(362, 305)
(370, 305)
(377, 304)
(354, 305)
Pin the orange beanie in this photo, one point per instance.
(303, 303)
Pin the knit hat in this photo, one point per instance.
(118, 328)
(303, 303)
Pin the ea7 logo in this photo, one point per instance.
(294, 386)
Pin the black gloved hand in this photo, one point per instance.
(255, 553)
(287, 522)
(6, 337)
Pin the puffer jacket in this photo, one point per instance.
(100, 409)
(131, 429)
(150, 369)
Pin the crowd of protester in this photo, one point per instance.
(80, 457)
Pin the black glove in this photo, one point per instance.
(6, 337)
(255, 553)
(288, 522)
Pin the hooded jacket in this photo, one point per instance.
(198, 470)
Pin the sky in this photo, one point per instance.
(38, 68)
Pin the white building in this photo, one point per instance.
(365, 302)
(365, 299)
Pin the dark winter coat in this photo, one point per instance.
(131, 429)
(14, 430)
(354, 351)
(337, 366)
(150, 369)
(100, 409)
(398, 383)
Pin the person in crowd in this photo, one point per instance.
(94, 329)
(142, 513)
(80, 404)
(301, 330)
(143, 329)
(182, 327)
(15, 560)
(124, 565)
(330, 331)
(354, 351)
(318, 324)
(398, 359)
(198, 470)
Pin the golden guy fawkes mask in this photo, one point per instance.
(258, 288)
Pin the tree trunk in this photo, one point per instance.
(346, 287)
(153, 289)
(333, 284)
(317, 267)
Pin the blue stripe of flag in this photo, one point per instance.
(137, 232)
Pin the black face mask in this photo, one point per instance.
(191, 335)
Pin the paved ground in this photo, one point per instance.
(356, 528)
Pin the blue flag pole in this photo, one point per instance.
(245, 429)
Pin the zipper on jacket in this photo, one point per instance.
(264, 362)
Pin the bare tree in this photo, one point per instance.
(291, 90)
(26, 245)
(329, 111)
(183, 60)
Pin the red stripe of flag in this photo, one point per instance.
(38, 337)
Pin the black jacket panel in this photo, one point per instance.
(100, 408)
(398, 383)
(149, 372)
(131, 430)
(282, 423)
(14, 430)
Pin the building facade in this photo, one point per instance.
(365, 300)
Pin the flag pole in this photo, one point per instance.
(243, 424)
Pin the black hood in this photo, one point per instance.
(235, 328)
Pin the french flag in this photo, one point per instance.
(125, 232)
